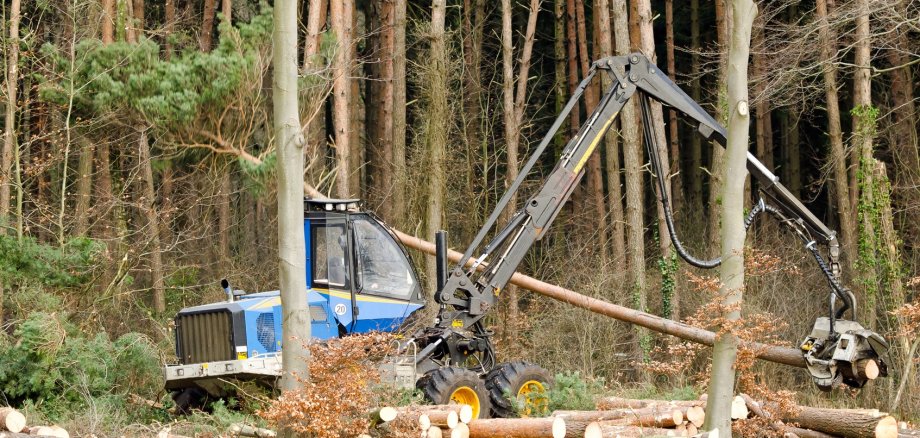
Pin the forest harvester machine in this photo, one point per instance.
(360, 278)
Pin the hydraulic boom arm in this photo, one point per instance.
(467, 294)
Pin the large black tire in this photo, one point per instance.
(524, 382)
(449, 385)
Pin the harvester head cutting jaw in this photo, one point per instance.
(841, 351)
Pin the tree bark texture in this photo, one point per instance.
(12, 96)
(696, 149)
(593, 173)
(716, 166)
(207, 25)
(398, 200)
(437, 114)
(518, 428)
(838, 155)
(152, 226)
(632, 162)
(341, 13)
(612, 153)
(84, 186)
(572, 56)
(850, 425)
(289, 142)
(108, 20)
(731, 272)
(673, 140)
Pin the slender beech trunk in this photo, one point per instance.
(207, 25)
(399, 111)
(593, 173)
(632, 163)
(108, 21)
(572, 56)
(731, 272)
(148, 205)
(696, 149)
(604, 38)
(437, 120)
(289, 141)
(838, 155)
(716, 172)
(341, 13)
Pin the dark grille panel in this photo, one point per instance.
(205, 337)
(265, 331)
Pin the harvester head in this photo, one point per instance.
(840, 351)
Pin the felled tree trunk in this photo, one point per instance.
(845, 424)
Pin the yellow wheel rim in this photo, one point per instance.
(533, 399)
(465, 395)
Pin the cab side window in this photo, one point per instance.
(330, 267)
(382, 267)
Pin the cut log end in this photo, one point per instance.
(739, 408)
(559, 428)
(867, 368)
(886, 428)
(387, 413)
(696, 415)
(593, 430)
(435, 432)
(461, 431)
(466, 413)
(12, 420)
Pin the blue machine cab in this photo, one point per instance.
(359, 279)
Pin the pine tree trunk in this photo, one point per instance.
(731, 272)
(226, 8)
(399, 112)
(168, 26)
(9, 131)
(84, 186)
(341, 13)
(289, 142)
(674, 141)
(864, 125)
(632, 163)
(594, 175)
(437, 115)
(313, 63)
(696, 149)
(223, 214)
(139, 21)
(108, 20)
(152, 226)
(604, 38)
(716, 167)
(559, 80)
(207, 25)
(380, 114)
(572, 57)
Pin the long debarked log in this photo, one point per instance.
(654, 416)
(518, 428)
(781, 355)
(848, 425)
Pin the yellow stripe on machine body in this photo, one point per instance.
(584, 158)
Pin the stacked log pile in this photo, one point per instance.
(13, 425)
(620, 417)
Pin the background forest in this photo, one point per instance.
(138, 168)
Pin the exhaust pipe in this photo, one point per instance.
(440, 255)
(225, 285)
